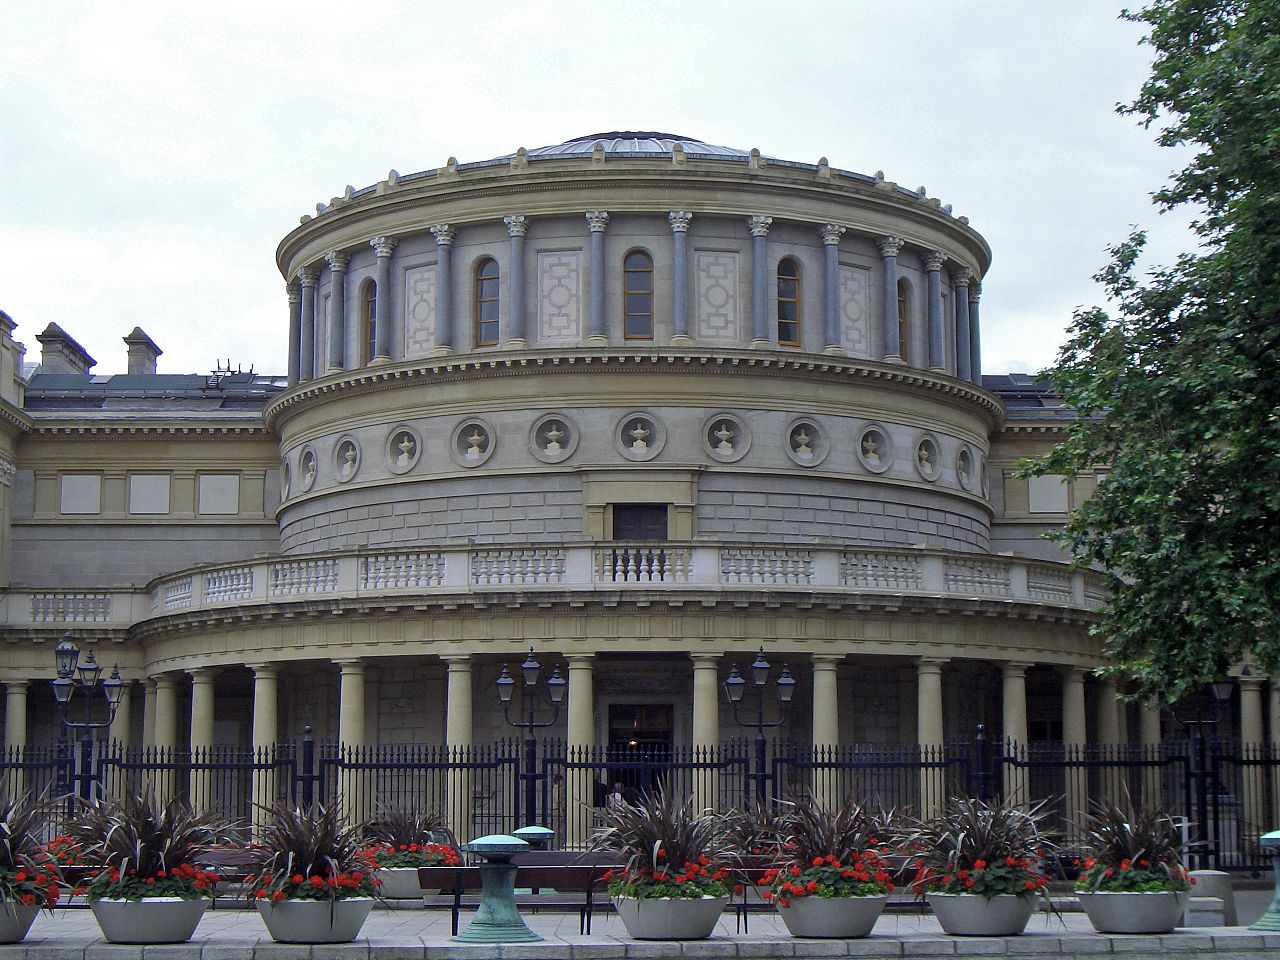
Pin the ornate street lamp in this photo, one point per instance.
(735, 686)
(556, 687)
(82, 681)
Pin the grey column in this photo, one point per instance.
(337, 331)
(679, 220)
(933, 261)
(831, 234)
(889, 247)
(295, 329)
(517, 227)
(307, 325)
(975, 335)
(962, 322)
(598, 334)
(759, 227)
(382, 248)
(443, 233)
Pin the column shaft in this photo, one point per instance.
(1150, 735)
(351, 736)
(121, 724)
(826, 727)
(889, 247)
(931, 733)
(975, 336)
(307, 325)
(295, 329)
(383, 248)
(166, 731)
(1074, 738)
(706, 724)
(337, 320)
(961, 298)
(831, 339)
(937, 352)
(457, 738)
(15, 731)
(148, 714)
(445, 332)
(571, 803)
(1014, 723)
(1253, 743)
(517, 227)
(760, 333)
(597, 327)
(266, 735)
(679, 220)
(201, 735)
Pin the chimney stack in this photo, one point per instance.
(59, 353)
(142, 352)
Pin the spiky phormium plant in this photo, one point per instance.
(982, 848)
(827, 853)
(312, 853)
(755, 828)
(672, 848)
(1131, 849)
(410, 838)
(147, 848)
(28, 874)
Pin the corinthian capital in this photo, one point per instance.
(597, 220)
(443, 233)
(517, 226)
(679, 219)
(382, 246)
(962, 276)
(337, 261)
(759, 225)
(292, 292)
(933, 260)
(975, 291)
(831, 233)
(7, 472)
(307, 276)
(889, 246)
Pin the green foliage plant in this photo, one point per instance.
(311, 853)
(1177, 387)
(828, 854)
(401, 838)
(28, 873)
(1130, 849)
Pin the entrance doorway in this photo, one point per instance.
(640, 742)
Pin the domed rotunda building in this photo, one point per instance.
(640, 403)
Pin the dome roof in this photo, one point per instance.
(632, 142)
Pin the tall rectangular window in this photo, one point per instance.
(487, 303)
(637, 296)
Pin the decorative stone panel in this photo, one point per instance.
(473, 443)
(553, 438)
(717, 290)
(726, 438)
(419, 311)
(855, 310)
(639, 436)
(560, 297)
(806, 443)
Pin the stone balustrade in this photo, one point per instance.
(688, 566)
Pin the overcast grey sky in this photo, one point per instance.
(152, 155)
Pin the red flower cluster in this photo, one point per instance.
(862, 874)
(64, 851)
(1012, 875)
(31, 884)
(387, 856)
(694, 879)
(315, 886)
(1145, 876)
(184, 880)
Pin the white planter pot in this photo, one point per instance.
(841, 917)
(1134, 912)
(153, 920)
(670, 919)
(399, 883)
(975, 915)
(315, 921)
(15, 920)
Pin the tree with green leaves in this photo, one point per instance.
(1177, 388)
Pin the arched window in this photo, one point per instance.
(904, 316)
(369, 320)
(637, 296)
(487, 302)
(788, 303)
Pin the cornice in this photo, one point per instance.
(1035, 426)
(523, 363)
(73, 424)
(406, 198)
(158, 628)
(13, 417)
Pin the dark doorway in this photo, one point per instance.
(640, 738)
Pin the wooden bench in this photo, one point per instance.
(570, 874)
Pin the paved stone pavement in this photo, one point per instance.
(424, 935)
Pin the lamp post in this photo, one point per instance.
(736, 685)
(556, 687)
(1199, 772)
(85, 679)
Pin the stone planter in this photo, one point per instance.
(400, 883)
(1135, 912)
(670, 919)
(16, 920)
(315, 921)
(152, 920)
(975, 915)
(840, 917)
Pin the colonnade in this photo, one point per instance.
(301, 294)
(161, 723)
